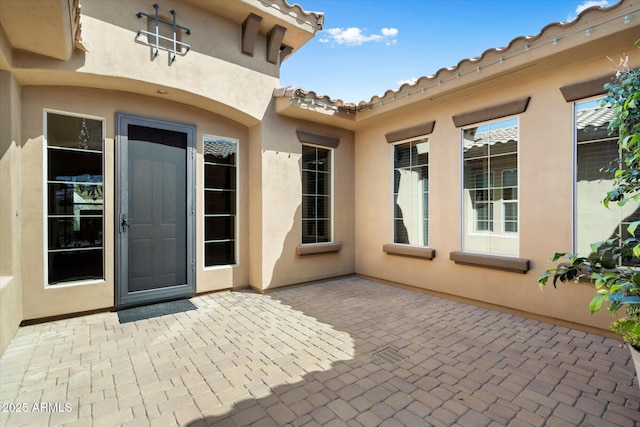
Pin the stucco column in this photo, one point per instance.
(10, 277)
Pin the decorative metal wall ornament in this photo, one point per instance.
(175, 43)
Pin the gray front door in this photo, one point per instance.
(155, 227)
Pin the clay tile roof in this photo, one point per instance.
(296, 8)
(446, 72)
(218, 147)
(594, 117)
(591, 117)
(499, 135)
(293, 91)
(492, 137)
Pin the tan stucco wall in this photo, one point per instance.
(545, 192)
(213, 75)
(226, 93)
(10, 212)
(255, 206)
(6, 52)
(53, 36)
(214, 86)
(281, 206)
(70, 299)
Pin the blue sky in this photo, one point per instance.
(370, 46)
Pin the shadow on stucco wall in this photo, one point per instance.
(283, 264)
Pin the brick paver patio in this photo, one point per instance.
(307, 356)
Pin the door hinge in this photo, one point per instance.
(193, 209)
(193, 152)
(193, 265)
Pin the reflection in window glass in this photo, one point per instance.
(490, 209)
(595, 150)
(510, 200)
(316, 194)
(411, 192)
(220, 175)
(75, 198)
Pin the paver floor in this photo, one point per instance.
(309, 356)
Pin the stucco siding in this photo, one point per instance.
(226, 86)
(282, 205)
(10, 209)
(221, 78)
(104, 104)
(546, 175)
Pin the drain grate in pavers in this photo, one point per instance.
(390, 355)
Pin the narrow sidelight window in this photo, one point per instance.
(316, 194)
(595, 150)
(411, 192)
(75, 198)
(220, 206)
(490, 193)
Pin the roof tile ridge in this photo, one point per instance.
(294, 91)
(437, 75)
(296, 7)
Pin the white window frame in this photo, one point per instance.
(496, 232)
(505, 202)
(331, 195)
(236, 230)
(489, 203)
(417, 139)
(45, 201)
(588, 100)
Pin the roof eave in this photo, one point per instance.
(301, 26)
(45, 27)
(522, 55)
(290, 103)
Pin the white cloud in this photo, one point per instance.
(389, 32)
(355, 36)
(586, 5)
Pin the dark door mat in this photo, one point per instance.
(155, 310)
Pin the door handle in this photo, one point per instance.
(126, 222)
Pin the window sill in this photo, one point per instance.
(73, 283)
(409, 251)
(318, 248)
(497, 262)
(219, 267)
